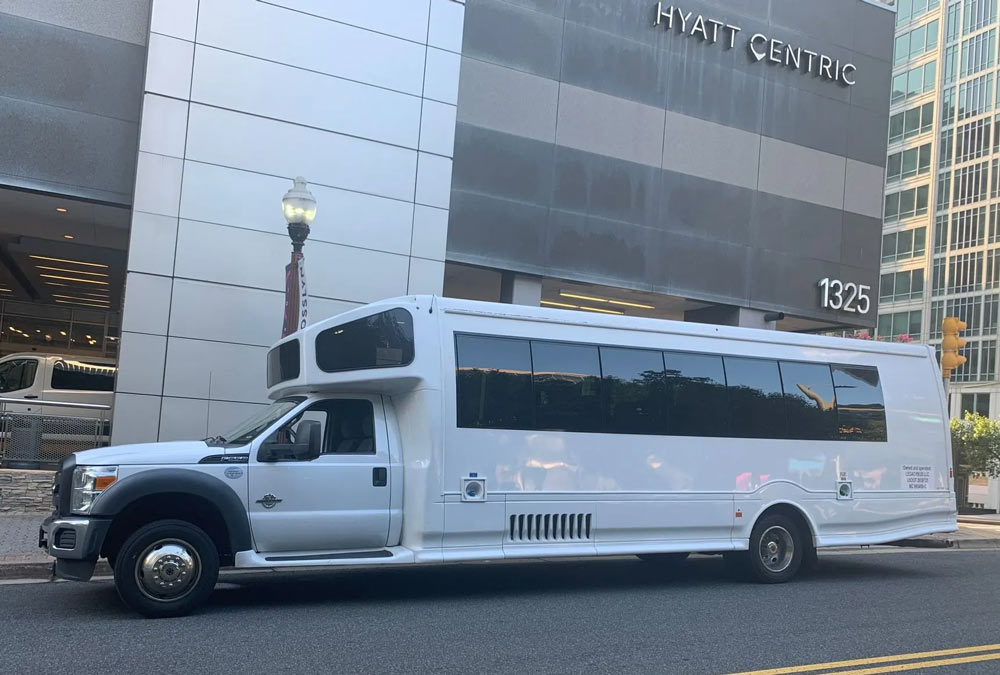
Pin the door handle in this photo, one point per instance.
(30, 397)
(380, 476)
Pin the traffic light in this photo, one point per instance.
(950, 344)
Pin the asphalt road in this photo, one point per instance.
(610, 616)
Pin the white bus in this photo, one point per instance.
(430, 430)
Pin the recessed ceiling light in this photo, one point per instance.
(63, 269)
(602, 311)
(66, 260)
(61, 209)
(549, 303)
(591, 298)
(81, 281)
(67, 236)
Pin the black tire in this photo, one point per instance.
(664, 559)
(777, 548)
(166, 568)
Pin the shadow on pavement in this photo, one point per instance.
(504, 580)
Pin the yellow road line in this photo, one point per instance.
(900, 667)
(789, 670)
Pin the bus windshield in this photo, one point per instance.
(256, 425)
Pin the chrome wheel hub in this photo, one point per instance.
(777, 549)
(167, 570)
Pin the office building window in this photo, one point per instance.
(901, 286)
(975, 97)
(978, 14)
(908, 163)
(976, 403)
(937, 274)
(973, 140)
(914, 82)
(979, 52)
(968, 228)
(970, 184)
(965, 272)
(943, 190)
(893, 325)
(904, 245)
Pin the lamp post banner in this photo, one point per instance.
(296, 296)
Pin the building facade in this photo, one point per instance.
(941, 238)
(712, 161)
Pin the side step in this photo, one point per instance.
(922, 542)
(354, 555)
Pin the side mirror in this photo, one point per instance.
(308, 447)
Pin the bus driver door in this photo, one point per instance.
(336, 499)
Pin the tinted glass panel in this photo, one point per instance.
(567, 386)
(696, 400)
(494, 382)
(809, 401)
(16, 375)
(83, 377)
(380, 341)
(860, 408)
(633, 390)
(758, 407)
(283, 363)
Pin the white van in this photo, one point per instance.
(430, 430)
(35, 377)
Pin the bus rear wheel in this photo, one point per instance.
(777, 550)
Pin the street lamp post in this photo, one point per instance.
(299, 207)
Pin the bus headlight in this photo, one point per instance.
(88, 482)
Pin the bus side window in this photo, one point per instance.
(809, 401)
(755, 397)
(696, 399)
(860, 407)
(493, 381)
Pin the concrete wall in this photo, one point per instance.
(594, 146)
(70, 90)
(241, 96)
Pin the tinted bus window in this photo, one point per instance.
(755, 397)
(382, 340)
(860, 408)
(283, 363)
(696, 401)
(80, 379)
(633, 390)
(567, 386)
(494, 382)
(809, 401)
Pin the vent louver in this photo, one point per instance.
(550, 527)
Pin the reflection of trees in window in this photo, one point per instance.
(567, 386)
(860, 408)
(494, 383)
(633, 390)
(756, 399)
(810, 405)
(696, 399)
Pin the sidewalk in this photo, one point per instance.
(21, 558)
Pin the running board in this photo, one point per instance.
(384, 556)
(354, 555)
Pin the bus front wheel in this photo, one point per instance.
(777, 549)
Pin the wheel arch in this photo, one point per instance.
(795, 513)
(181, 494)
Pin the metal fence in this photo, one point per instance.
(40, 440)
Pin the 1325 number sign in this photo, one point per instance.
(847, 297)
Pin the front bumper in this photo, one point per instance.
(75, 542)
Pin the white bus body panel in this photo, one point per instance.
(640, 493)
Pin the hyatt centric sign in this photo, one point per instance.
(759, 45)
